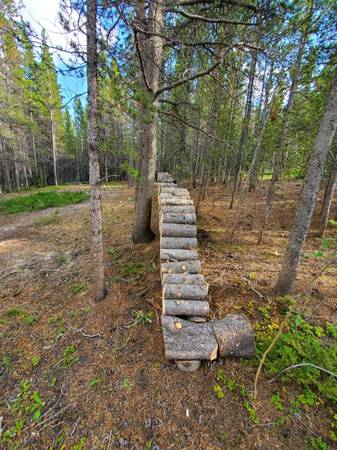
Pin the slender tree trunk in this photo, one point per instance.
(328, 195)
(244, 132)
(308, 195)
(54, 145)
(150, 60)
(7, 176)
(94, 167)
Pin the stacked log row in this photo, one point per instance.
(188, 337)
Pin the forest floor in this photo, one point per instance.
(75, 374)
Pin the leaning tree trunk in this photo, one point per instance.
(94, 169)
(150, 60)
(307, 198)
(328, 195)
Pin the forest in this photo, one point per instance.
(168, 225)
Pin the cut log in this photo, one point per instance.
(181, 267)
(178, 209)
(183, 243)
(170, 278)
(185, 308)
(173, 254)
(185, 291)
(188, 366)
(178, 230)
(169, 217)
(164, 177)
(175, 201)
(184, 340)
(174, 192)
(235, 336)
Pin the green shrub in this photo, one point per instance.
(302, 344)
(40, 200)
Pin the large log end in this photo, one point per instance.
(184, 340)
(235, 336)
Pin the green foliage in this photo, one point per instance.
(40, 200)
(80, 445)
(69, 357)
(218, 391)
(35, 360)
(27, 405)
(14, 312)
(127, 384)
(277, 402)
(95, 381)
(302, 343)
(318, 444)
(142, 318)
(252, 414)
(77, 288)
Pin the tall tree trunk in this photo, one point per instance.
(328, 195)
(150, 60)
(307, 198)
(244, 132)
(7, 176)
(94, 168)
(54, 145)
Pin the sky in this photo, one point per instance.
(43, 14)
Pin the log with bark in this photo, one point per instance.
(182, 243)
(175, 201)
(235, 336)
(178, 230)
(171, 278)
(180, 267)
(173, 254)
(172, 217)
(185, 308)
(185, 291)
(184, 340)
(178, 209)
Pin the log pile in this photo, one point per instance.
(188, 337)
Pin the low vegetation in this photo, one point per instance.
(40, 200)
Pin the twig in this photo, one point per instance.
(251, 287)
(295, 366)
(87, 335)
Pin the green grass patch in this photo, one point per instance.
(40, 200)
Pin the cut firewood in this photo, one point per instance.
(175, 201)
(182, 243)
(171, 217)
(181, 267)
(185, 308)
(235, 336)
(185, 291)
(184, 340)
(178, 230)
(173, 254)
(178, 209)
(183, 279)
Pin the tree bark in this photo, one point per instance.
(94, 167)
(150, 50)
(54, 145)
(307, 198)
(328, 195)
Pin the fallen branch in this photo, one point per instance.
(295, 366)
